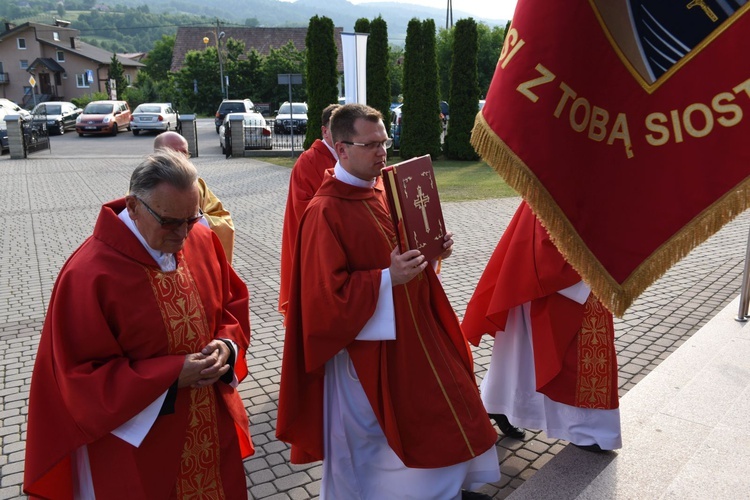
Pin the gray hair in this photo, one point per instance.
(164, 166)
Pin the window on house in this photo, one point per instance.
(60, 56)
(24, 63)
(21, 43)
(127, 78)
(56, 36)
(81, 81)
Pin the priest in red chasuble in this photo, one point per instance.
(133, 393)
(377, 379)
(306, 177)
(553, 364)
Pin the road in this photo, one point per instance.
(70, 145)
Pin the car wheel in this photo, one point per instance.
(80, 134)
(115, 129)
(136, 132)
(60, 128)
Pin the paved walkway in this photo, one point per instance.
(48, 206)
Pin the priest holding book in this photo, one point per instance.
(377, 380)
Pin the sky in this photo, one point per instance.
(487, 9)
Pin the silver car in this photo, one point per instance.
(158, 116)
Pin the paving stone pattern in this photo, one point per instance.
(48, 207)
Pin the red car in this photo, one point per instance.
(103, 117)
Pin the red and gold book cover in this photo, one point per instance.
(415, 205)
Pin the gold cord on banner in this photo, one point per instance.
(615, 296)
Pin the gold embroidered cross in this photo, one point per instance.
(706, 9)
(421, 203)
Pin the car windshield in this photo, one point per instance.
(53, 110)
(233, 107)
(297, 109)
(98, 109)
(148, 109)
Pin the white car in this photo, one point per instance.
(11, 108)
(257, 132)
(158, 116)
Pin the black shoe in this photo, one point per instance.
(593, 448)
(474, 495)
(506, 427)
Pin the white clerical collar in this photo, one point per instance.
(341, 174)
(333, 151)
(166, 261)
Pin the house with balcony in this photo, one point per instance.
(53, 62)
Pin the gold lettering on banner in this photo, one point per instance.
(706, 9)
(525, 87)
(511, 46)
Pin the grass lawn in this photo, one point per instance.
(457, 180)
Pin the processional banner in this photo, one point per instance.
(623, 124)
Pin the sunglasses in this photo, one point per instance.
(171, 224)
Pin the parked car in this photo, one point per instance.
(232, 106)
(396, 122)
(59, 115)
(103, 117)
(396, 126)
(291, 117)
(257, 132)
(3, 132)
(11, 108)
(159, 116)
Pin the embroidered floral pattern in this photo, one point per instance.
(595, 354)
(187, 328)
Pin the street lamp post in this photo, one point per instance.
(224, 95)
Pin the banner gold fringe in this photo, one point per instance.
(615, 296)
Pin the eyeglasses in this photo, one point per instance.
(372, 146)
(172, 224)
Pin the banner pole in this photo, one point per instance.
(744, 296)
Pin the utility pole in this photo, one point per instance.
(219, 35)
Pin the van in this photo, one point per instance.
(103, 117)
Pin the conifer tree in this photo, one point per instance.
(321, 73)
(464, 92)
(378, 74)
(421, 124)
(116, 73)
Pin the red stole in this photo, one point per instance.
(187, 329)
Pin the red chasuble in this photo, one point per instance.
(305, 180)
(115, 337)
(574, 355)
(420, 386)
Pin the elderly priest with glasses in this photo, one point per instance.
(133, 393)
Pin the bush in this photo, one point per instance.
(81, 102)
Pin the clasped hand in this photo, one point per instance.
(206, 367)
